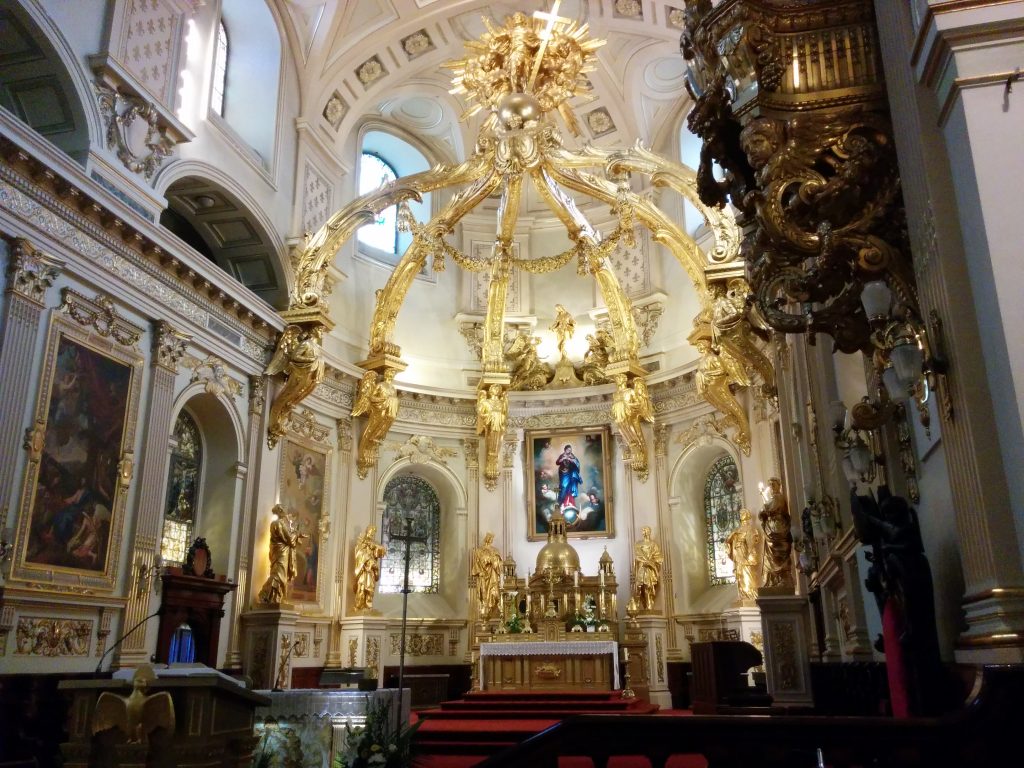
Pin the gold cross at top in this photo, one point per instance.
(552, 17)
(545, 35)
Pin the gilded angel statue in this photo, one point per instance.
(596, 357)
(732, 331)
(563, 328)
(631, 405)
(299, 356)
(377, 399)
(491, 421)
(714, 374)
(525, 366)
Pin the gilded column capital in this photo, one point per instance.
(169, 345)
(30, 272)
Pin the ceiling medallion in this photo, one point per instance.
(522, 75)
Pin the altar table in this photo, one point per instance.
(538, 666)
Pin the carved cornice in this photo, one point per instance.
(421, 449)
(29, 272)
(37, 193)
(169, 345)
(100, 316)
(211, 372)
(304, 423)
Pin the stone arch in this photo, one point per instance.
(220, 492)
(217, 217)
(694, 593)
(453, 498)
(48, 71)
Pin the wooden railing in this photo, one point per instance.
(980, 734)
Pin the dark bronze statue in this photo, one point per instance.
(901, 581)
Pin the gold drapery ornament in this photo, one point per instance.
(716, 372)
(744, 547)
(368, 554)
(284, 540)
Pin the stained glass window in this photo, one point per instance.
(412, 498)
(722, 501)
(383, 233)
(220, 69)
(182, 490)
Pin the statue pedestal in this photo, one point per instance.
(785, 628)
(647, 642)
(746, 622)
(267, 634)
(362, 644)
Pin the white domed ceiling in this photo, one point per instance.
(374, 62)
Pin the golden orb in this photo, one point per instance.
(517, 111)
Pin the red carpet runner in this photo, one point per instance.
(464, 732)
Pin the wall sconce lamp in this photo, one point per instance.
(149, 575)
(909, 359)
(853, 436)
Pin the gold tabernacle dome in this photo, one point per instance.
(558, 554)
(520, 73)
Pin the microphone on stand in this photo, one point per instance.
(121, 639)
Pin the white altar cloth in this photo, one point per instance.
(545, 648)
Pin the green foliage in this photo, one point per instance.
(375, 744)
(514, 625)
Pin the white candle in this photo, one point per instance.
(527, 603)
(575, 578)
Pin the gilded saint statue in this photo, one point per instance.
(563, 328)
(300, 357)
(491, 420)
(599, 349)
(367, 570)
(377, 399)
(647, 560)
(525, 366)
(744, 546)
(485, 567)
(284, 540)
(778, 538)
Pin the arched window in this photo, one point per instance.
(722, 502)
(374, 170)
(182, 490)
(410, 498)
(220, 69)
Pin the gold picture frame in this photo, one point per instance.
(588, 512)
(80, 449)
(304, 485)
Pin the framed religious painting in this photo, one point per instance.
(304, 485)
(80, 448)
(570, 470)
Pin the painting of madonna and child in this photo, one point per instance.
(570, 471)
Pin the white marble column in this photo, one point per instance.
(335, 655)
(958, 129)
(246, 534)
(168, 348)
(29, 275)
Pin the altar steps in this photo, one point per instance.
(461, 733)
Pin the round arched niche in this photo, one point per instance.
(215, 512)
(452, 555)
(694, 592)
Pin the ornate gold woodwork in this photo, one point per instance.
(299, 356)
(519, 74)
(790, 102)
